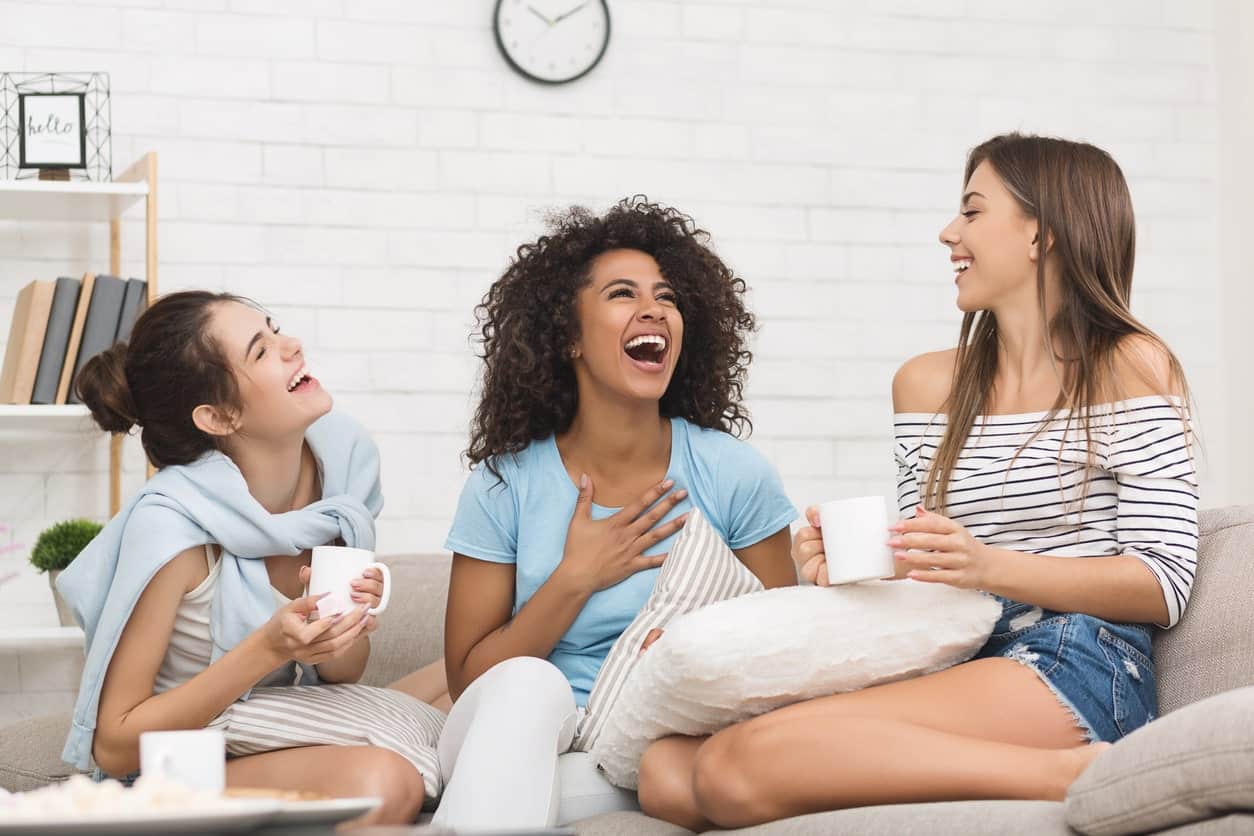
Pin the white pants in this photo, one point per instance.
(499, 754)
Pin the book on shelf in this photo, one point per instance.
(101, 325)
(26, 340)
(76, 336)
(56, 340)
(132, 306)
(58, 326)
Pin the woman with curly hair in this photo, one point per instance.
(614, 363)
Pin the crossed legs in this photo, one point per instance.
(985, 729)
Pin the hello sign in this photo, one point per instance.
(52, 130)
(55, 126)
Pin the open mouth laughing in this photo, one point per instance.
(301, 381)
(648, 351)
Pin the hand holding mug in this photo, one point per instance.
(293, 632)
(807, 550)
(844, 542)
(368, 589)
(935, 549)
(349, 576)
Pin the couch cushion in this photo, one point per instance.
(1211, 650)
(30, 752)
(628, 824)
(411, 632)
(1193, 764)
(948, 818)
(1236, 824)
(952, 818)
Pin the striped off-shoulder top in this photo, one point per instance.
(1026, 482)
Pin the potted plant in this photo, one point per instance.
(55, 549)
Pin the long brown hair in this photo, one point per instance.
(1077, 194)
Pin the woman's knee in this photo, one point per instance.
(529, 679)
(725, 785)
(394, 779)
(665, 784)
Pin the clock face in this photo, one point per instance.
(552, 41)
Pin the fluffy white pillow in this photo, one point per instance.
(733, 660)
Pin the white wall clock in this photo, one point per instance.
(552, 41)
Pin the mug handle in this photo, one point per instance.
(387, 588)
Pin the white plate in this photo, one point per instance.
(329, 811)
(235, 816)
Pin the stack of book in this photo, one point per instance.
(58, 326)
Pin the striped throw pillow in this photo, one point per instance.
(699, 570)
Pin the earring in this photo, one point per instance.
(574, 353)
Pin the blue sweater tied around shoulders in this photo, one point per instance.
(207, 501)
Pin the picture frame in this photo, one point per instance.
(35, 109)
(52, 130)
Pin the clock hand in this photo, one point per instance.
(542, 17)
(565, 15)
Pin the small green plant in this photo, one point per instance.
(59, 545)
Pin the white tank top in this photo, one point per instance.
(191, 647)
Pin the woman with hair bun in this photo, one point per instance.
(192, 597)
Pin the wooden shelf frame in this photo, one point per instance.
(42, 200)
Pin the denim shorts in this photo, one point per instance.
(1101, 671)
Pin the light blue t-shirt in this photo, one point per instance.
(524, 521)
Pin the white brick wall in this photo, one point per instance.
(367, 166)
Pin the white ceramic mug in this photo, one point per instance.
(196, 759)
(333, 571)
(855, 539)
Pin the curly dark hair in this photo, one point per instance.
(527, 325)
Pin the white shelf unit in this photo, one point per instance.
(41, 419)
(43, 200)
(41, 638)
(78, 201)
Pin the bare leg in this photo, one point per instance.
(985, 729)
(665, 788)
(429, 684)
(340, 772)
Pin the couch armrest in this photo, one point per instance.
(1193, 764)
(30, 752)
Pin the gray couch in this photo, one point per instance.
(1191, 772)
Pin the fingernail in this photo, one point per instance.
(583, 480)
(899, 555)
(894, 542)
(667, 484)
(681, 493)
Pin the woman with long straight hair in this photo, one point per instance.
(1046, 460)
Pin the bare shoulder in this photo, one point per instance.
(922, 383)
(1143, 365)
(181, 574)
